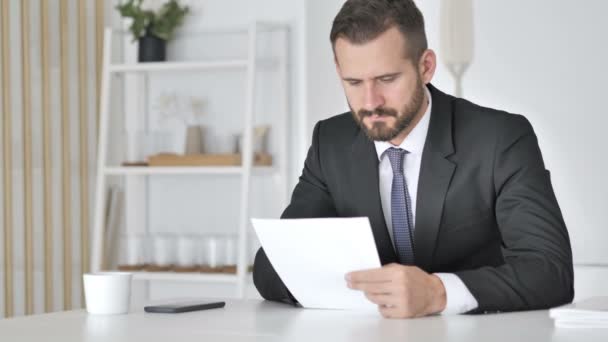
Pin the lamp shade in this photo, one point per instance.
(456, 32)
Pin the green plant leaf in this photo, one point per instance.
(162, 24)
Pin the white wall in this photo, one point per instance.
(325, 96)
(544, 59)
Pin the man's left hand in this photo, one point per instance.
(400, 291)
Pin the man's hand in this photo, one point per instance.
(400, 291)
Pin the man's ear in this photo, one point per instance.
(427, 66)
(337, 67)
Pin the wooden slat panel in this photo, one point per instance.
(7, 145)
(84, 145)
(47, 157)
(27, 156)
(97, 255)
(65, 158)
(99, 26)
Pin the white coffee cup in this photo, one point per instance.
(107, 293)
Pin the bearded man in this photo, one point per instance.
(461, 206)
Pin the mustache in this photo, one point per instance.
(380, 111)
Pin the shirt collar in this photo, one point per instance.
(414, 142)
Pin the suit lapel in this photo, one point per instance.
(365, 185)
(435, 175)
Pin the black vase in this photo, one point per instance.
(151, 48)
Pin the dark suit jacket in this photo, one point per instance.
(485, 209)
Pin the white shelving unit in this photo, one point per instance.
(134, 174)
(181, 66)
(210, 170)
(192, 277)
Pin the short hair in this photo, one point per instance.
(360, 21)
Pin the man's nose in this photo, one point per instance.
(373, 98)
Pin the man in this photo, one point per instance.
(462, 209)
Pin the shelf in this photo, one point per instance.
(189, 66)
(187, 170)
(176, 276)
(178, 66)
(261, 26)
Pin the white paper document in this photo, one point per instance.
(589, 313)
(312, 257)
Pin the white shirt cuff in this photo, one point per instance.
(458, 297)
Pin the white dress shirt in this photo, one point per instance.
(459, 298)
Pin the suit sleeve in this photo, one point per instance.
(310, 198)
(538, 271)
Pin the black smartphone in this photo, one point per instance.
(183, 307)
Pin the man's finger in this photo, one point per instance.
(380, 299)
(394, 312)
(370, 276)
(373, 287)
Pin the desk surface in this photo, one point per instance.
(265, 321)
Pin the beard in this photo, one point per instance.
(381, 131)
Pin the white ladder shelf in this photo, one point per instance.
(245, 171)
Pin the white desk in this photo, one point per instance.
(264, 321)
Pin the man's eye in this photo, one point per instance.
(387, 79)
(354, 83)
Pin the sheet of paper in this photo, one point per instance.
(312, 256)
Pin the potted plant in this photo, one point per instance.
(152, 28)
